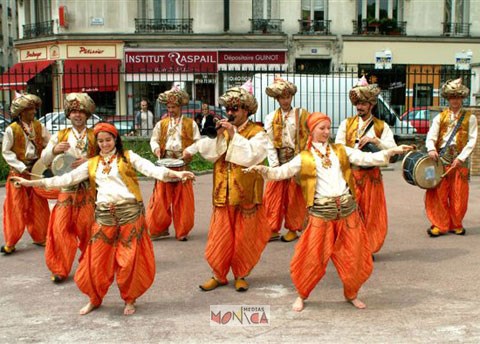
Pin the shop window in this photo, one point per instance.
(313, 66)
(422, 95)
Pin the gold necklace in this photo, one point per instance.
(106, 164)
(326, 162)
(28, 129)
(80, 140)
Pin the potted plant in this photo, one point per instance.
(388, 26)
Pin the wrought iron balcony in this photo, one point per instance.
(314, 27)
(266, 25)
(143, 25)
(456, 29)
(386, 27)
(38, 29)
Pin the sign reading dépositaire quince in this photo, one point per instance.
(89, 51)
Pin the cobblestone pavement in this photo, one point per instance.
(422, 289)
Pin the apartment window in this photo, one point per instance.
(456, 11)
(379, 9)
(167, 9)
(43, 11)
(262, 9)
(314, 9)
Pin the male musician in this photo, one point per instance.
(451, 138)
(237, 234)
(23, 142)
(170, 137)
(287, 132)
(358, 132)
(73, 215)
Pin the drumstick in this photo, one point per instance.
(446, 172)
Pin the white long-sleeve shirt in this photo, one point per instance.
(174, 140)
(386, 140)
(432, 135)
(240, 151)
(288, 134)
(30, 149)
(48, 155)
(110, 187)
(330, 181)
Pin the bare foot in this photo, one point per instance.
(87, 309)
(129, 309)
(298, 305)
(357, 303)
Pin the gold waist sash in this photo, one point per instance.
(118, 214)
(333, 208)
(451, 153)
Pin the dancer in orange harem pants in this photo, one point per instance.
(171, 201)
(75, 214)
(343, 240)
(285, 200)
(370, 196)
(236, 239)
(125, 252)
(446, 205)
(23, 207)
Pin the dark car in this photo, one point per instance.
(420, 118)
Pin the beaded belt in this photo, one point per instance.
(333, 208)
(109, 214)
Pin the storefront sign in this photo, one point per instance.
(35, 54)
(91, 51)
(251, 57)
(170, 61)
(463, 60)
(383, 59)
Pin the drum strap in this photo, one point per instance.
(452, 135)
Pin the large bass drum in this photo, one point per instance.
(421, 170)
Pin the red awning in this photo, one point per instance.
(16, 77)
(90, 75)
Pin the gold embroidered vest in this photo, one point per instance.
(126, 170)
(352, 129)
(301, 132)
(461, 137)
(308, 172)
(91, 142)
(19, 144)
(230, 185)
(186, 134)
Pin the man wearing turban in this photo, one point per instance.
(363, 131)
(23, 142)
(287, 132)
(237, 234)
(334, 229)
(451, 138)
(172, 201)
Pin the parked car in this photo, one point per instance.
(55, 121)
(4, 123)
(419, 118)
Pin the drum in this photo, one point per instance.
(421, 170)
(39, 170)
(173, 164)
(62, 164)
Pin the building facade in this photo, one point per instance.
(134, 50)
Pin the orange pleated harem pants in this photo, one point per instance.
(284, 200)
(236, 239)
(345, 241)
(23, 207)
(171, 201)
(69, 228)
(124, 252)
(370, 196)
(446, 205)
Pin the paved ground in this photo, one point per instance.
(422, 289)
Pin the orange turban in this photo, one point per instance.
(106, 127)
(315, 118)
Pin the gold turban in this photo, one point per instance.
(454, 88)
(174, 96)
(238, 96)
(281, 88)
(79, 102)
(23, 102)
(364, 93)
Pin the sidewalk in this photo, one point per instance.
(422, 289)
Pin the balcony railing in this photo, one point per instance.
(380, 27)
(456, 29)
(314, 27)
(143, 25)
(266, 25)
(38, 29)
